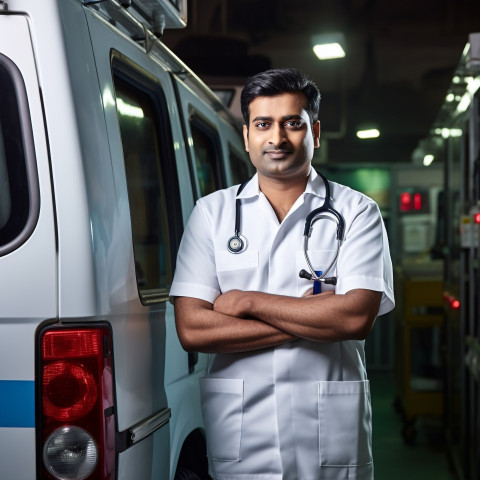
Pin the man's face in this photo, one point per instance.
(279, 137)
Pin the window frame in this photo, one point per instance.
(140, 80)
(31, 173)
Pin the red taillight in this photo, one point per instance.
(77, 422)
(70, 390)
(76, 343)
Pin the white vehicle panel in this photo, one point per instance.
(77, 294)
(17, 455)
(28, 280)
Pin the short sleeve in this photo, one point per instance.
(195, 272)
(364, 259)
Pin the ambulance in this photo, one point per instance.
(106, 141)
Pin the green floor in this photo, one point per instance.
(425, 459)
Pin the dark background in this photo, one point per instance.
(400, 59)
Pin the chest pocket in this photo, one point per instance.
(237, 271)
(320, 260)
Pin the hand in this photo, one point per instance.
(309, 293)
(232, 303)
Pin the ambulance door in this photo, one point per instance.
(152, 178)
(28, 281)
(143, 163)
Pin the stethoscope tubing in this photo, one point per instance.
(237, 243)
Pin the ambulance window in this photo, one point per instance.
(19, 202)
(207, 152)
(239, 166)
(151, 183)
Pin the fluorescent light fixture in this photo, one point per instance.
(370, 133)
(428, 159)
(473, 84)
(448, 132)
(328, 51)
(328, 46)
(464, 103)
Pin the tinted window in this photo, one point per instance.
(207, 156)
(151, 176)
(18, 182)
(240, 170)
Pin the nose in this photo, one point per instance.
(277, 137)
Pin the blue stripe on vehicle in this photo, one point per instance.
(17, 404)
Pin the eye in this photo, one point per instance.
(295, 124)
(262, 125)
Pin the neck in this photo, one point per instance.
(281, 195)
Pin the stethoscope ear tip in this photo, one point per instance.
(304, 274)
(308, 276)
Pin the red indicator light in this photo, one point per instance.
(476, 218)
(405, 201)
(417, 201)
(455, 304)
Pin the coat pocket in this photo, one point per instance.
(345, 433)
(222, 407)
(227, 261)
(237, 271)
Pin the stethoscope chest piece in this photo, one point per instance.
(237, 244)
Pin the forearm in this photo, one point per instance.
(320, 318)
(201, 329)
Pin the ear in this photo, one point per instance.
(316, 134)
(245, 137)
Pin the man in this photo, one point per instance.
(287, 396)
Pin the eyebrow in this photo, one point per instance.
(286, 117)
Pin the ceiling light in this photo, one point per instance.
(370, 133)
(473, 84)
(428, 159)
(328, 51)
(464, 103)
(328, 46)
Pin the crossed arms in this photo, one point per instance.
(241, 321)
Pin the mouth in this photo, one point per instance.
(277, 154)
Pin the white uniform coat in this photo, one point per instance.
(300, 411)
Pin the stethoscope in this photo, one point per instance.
(238, 243)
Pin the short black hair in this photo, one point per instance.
(278, 81)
